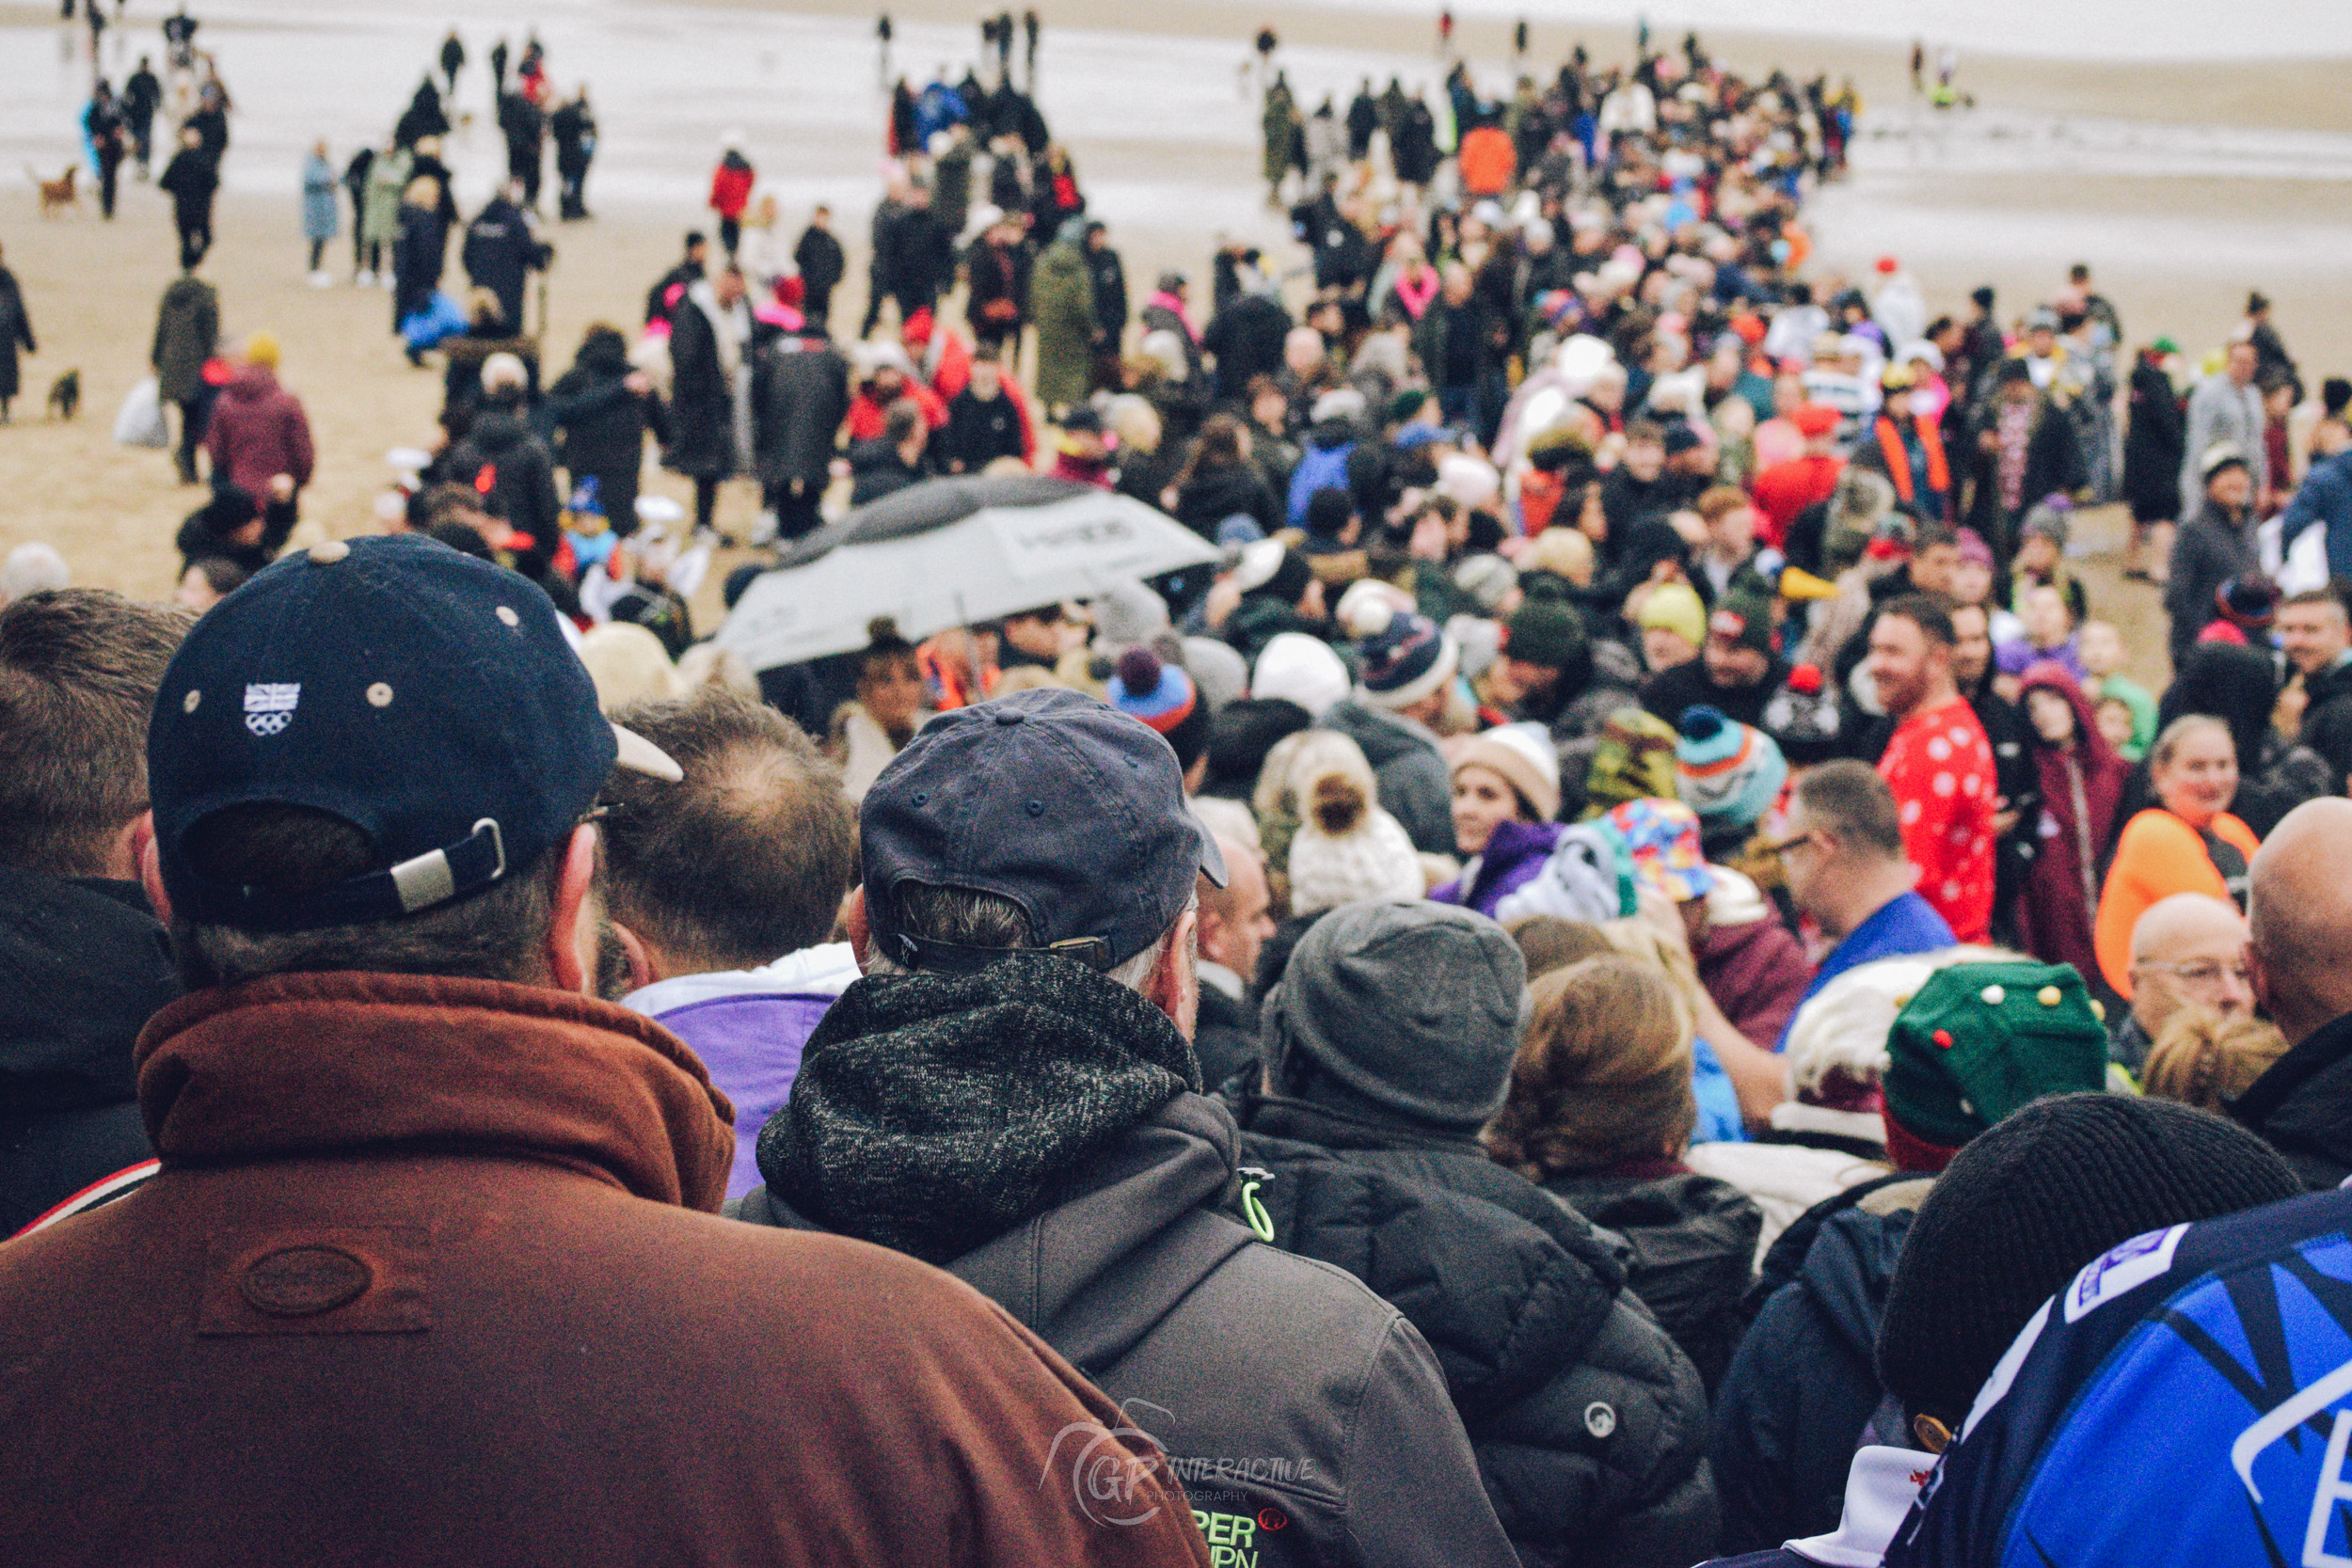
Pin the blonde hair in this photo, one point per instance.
(629, 664)
(1603, 1073)
(2204, 1058)
(2168, 744)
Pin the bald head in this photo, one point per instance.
(1234, 919)
(2188, 950)
(2301, 892)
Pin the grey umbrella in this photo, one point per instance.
(951, 552)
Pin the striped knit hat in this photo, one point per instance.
(1406, 659)
(1729, 773)
(1162, 695)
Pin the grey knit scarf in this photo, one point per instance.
(933, 1112)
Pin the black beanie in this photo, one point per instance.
(2027, 1203)
(1240, 735)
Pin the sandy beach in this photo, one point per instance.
(2182, 184)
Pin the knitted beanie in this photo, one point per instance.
(1216, 668)
(1162, 695)
(1526, 759)
(1301, 668)
(1405, 660)
(1129, 613)
(1801, 718)
(1347, 847)
(1744, 620)
(2034, 1200)
(1240, 736)
(1979, 1041)
(1731, 773)
(1675, 607)
(1545, 633)
(1413, 1007)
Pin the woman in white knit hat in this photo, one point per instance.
(1506, 791)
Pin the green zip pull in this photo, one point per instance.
(1251, 1210)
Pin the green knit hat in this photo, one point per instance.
(1545, 633)
(1980, 1040)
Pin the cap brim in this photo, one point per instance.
(1211, 858)
(639, 755)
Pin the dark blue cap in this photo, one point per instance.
(428, 698)
(1068, 807)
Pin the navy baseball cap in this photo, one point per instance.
(428, 698)
(1068, 807)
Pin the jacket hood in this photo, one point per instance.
(1383, 736)
(304, 1065)
(932, 1113)
(250, 384)
(496, 433)
(1131, 1236)
(87, 965)
(603, 349)
(1848, 1270)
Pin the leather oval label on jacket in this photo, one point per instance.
(311, 1279)
(303, 1281)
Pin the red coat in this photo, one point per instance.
(1785, 489)
(730, 190)
(1939, 766)
(421, 1281)
(259, 432)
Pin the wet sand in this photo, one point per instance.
(2064, 161)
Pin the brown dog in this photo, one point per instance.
(58, 194)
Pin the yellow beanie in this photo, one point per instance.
(261, 349)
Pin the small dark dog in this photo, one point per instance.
(65, 395)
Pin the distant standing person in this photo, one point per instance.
(598, 407)
(388, 174)
(2156, 443)
(188, 325)
(823, 264)
(525, 129)
(710, 368)
(180, 38)
(731, 190)
(16, 331)
(498, 71)
(881, 36)
(102, 124)
(2224, 408)
(1028, 29)
(141, 95)
(574, 128)
(453, 59)
(321, 217)
(354, 182)
(192, 178)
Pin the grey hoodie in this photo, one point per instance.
(1307, 1418)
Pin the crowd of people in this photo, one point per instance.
(1628, 977)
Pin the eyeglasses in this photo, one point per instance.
(1786, 845)
(2205, 973)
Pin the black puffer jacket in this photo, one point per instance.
(602, 422)
(83, 965)
(1802, 1392)
(1693, 1242)
(800, 396)
(521, 489)
(1587, 1423)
